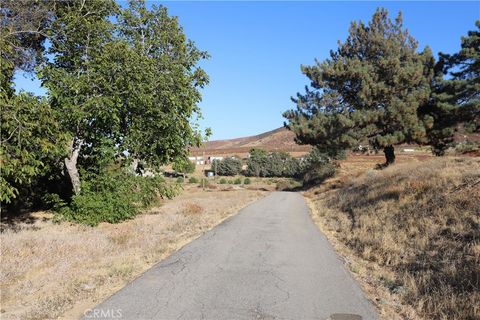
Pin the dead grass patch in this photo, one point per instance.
(52, 270)
(412, 233)
(192, 208)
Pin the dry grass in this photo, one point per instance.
(411, 233)
(49, 270)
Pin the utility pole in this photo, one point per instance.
(203, 178)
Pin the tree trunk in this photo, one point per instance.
(71, 164)
(389, 155)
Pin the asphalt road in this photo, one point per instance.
(268, 262)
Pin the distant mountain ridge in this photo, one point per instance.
(279, 139)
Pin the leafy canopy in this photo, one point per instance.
(456, 92)
(370, 88)
(229, 166)
(124, 87)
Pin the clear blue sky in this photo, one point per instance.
(257, 48)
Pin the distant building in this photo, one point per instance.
(210, 159)
(196, 160)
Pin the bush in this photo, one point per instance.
(193, 180)
(238, 181)
(227, 167)
(222, 181)
(113, 197)
(230, 181)
(275, 164)
(465, 147)
(257, 163)
(247, 181)
(316, 168)
(184, 166)
(180, 180)
(317, 174)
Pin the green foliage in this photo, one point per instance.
(183, 165)
(316, 167)
(31, 142)
(237, 181)
(371, 88)
(227, 167)
(113, 197)
(457, 99)
(161, 84)
(317, 174)
(257, 163)
(193, 180)
(247, 181)
(22, 35)
(120, 80)
(465, 147)
(275, 164)
(146, 82)
(282, 164)
(180, 180)
(222, 181)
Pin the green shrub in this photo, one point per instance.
(227, 167)
(274, 164)
(316, 167)
(247, 181)
(183, 165)
(193, 180)
(230, 181)
(319, 173)
(113, 197)
(238, 181)
(222, 181)
(465, 147)
(180, 180)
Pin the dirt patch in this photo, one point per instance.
(49, 270)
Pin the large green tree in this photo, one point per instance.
(160, 90)
(74, 77)
(230, 166)
(456, 94)
(370, 88)
(127, 87)
(30, 137)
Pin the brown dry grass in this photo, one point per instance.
(411, 234)
(49, 270)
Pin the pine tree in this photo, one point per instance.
(455, 99)
(370, 88)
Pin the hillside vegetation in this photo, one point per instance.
(412, 231)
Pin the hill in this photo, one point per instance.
(279, 139)
(282, 139)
